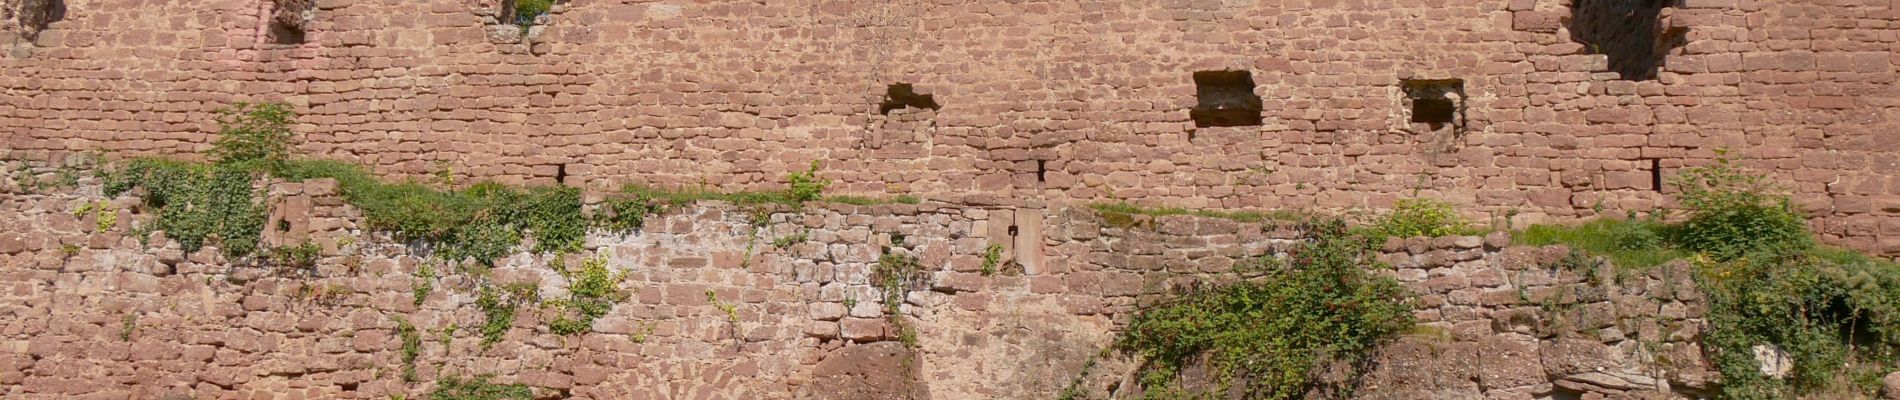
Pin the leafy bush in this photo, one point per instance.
(592, 294)
(1733, 212)
(483, 222)
(1268, 334)
(1837, 314)
(255, 135)
(527, 10)
(807, 186)
(197, 204)
(1420, 217)
(454, 388)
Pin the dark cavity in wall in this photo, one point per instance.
(1226, 98)
(1042, 171)
(1655, 175)
(37, 15)
(288, 19)
(1436, 102)
(903, 95)
(1630, 32)
(560, 174)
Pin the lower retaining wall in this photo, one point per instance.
(95, 314)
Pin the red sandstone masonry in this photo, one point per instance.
(736, 94)
(211, 329)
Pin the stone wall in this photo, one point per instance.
(93, 313)
(1060, 101)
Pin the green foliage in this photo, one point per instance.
(411, 347)
(479, 388)
(592, 294)
(498, 308)
(483, 222)
(1420, 217)
(1834, 312)
(424, 282)
(527, 10)
(254, 136)
(104, 218)
(1264, 337)
(807, 186)
(992, 256)
(895, 275)
(786, 242)
(1628, 243)
(299, 256)
(623, 215)
(128, 325)
(198, 204)
(1733, 212)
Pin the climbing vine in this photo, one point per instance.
(592, 294)
(1264, 337)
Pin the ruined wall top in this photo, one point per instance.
(1535, 108)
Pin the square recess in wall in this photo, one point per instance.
(1436, 102)
(288, 19)
(1226, 98)
(903, 95)
(33, 16)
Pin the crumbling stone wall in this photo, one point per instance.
(1062, 102)
(94, 313)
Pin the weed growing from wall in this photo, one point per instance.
(593, 292)
(498, 309)
(299, 256)
(731, 311)
(527, 10)
(895, 275)
(411, 347)
(992, 256)
(424, 282)
(1264, 337)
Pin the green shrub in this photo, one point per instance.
(498, 309)
(255, 136)
(592, 294)
(483, 222)
(1265, 337)
(1836, 314)
(1420, 217)
(527, 10)
(807, 186)
(197, 204)
(479, 388)
(624, 215)
(1733, 212)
